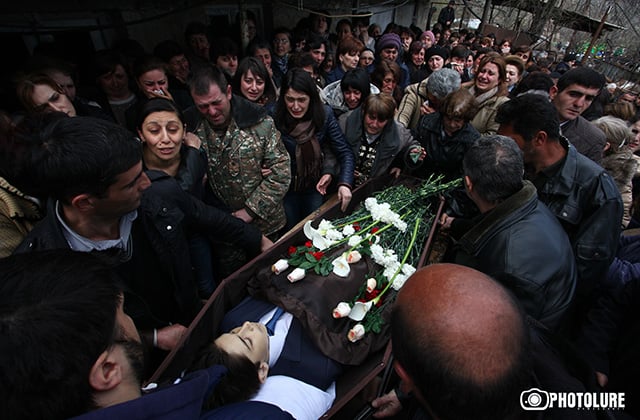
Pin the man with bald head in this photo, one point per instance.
(463, 350)
(469, 363)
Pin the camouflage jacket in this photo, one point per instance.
(235, 161)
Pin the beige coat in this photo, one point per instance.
(408, 113)
(485, 119)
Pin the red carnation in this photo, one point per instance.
(356, 226)
(375, 230)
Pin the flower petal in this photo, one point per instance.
(341, 310)
(359, 310)
(371, 284)
(356, 333)
(296, 275)
(309, 231)
(341, 266)
(280, 266)
(353, 257)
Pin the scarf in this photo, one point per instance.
(481, 98)
(308, 156)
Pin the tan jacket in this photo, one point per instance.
(18, 215)
(485, 119)
(408, 113)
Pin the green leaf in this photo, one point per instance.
(310, 258)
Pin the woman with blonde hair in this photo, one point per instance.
(618, 159)
(490, 90)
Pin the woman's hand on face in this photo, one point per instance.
(164, 93)
(323, 184)
(192, 140)
(344, 196)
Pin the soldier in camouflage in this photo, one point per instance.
(249, 168)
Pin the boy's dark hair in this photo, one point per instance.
(239, 384)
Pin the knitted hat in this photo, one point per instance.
(431, 36)
(387, 41)
(436, 50)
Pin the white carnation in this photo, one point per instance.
(348, 230)
(333, 235)
(354, 240)
(398, 282)
(408, 269)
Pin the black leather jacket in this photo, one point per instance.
(587, 203)
(162, 225)
(520, 244)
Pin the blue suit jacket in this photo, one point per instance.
(300, 358)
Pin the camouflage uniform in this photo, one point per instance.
(235, 160)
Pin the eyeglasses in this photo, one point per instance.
(281, 41)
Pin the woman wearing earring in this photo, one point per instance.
(168, 147)
(170, 152)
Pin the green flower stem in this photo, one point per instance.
(414, 235)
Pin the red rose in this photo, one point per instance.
(374, 230)
(374, 293)
(318, 255)
(292, 250)
(356, 226)
(308, 244)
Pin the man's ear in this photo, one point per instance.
(263, 371)
(229, 92)
(468, 184)
(540, 138)
(406, 383)
(82, 202)
(553, 92)
(106, 373)
(607, 146)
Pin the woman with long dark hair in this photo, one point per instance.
(314, 141)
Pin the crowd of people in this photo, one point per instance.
(123, 204)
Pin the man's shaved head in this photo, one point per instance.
(461, 338)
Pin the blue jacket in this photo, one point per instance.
(332, 140)
(300, 358)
